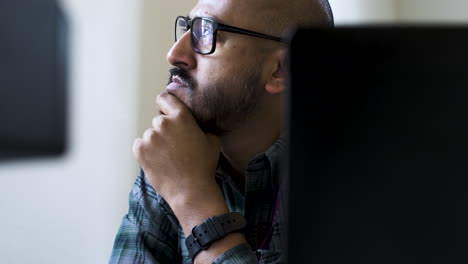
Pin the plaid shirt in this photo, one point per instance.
(150, 232)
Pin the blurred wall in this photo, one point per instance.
(348, 12)
(399, 11)
(68, 209)
(432, 11)
(157, 39)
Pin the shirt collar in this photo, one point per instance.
(268, 160)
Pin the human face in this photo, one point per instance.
(221, 89)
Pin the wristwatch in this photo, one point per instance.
(212, 229)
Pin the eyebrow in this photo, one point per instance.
(207, 16)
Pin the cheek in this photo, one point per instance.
(212, 72)
(228, 66)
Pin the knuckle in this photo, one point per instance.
(137, 148)
(149, 134)
(155, 121)
(158, 97)
(160, 121)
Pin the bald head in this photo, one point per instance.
(274, 17)
(279, 16)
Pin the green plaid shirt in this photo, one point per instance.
(150, 232)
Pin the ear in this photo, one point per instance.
(277, 72)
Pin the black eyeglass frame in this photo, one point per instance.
(221, 27)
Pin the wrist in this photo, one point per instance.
(193, 210)
(204, 237)
(220, 247)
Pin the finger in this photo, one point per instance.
(149, 134)
(136, 147)
(170, 105)
(214, 141)
(159, 122)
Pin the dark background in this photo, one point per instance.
(379, 145)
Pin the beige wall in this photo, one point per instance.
(399, 11)
(157, 39)
(432, 11)
(363, 11)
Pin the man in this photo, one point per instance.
(215, 146)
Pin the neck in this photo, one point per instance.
(255, 136)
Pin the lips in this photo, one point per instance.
(179, 89)
(177, 83)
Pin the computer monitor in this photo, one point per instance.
(33, 67)
(378, 158)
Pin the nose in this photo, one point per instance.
(181, 54)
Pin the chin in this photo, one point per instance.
(182, 94)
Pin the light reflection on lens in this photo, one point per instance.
(202, 33)
(181, 28)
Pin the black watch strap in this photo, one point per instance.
(212, 229)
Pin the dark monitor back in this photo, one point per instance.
(378, 160)
(32, 78)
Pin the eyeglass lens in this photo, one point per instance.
(202, 33)
(181, 27)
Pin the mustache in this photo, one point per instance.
(184, 75)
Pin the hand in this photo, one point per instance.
(180, 160)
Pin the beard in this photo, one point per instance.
(214, 109)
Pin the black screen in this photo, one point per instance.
(33, 49)
(378, 159)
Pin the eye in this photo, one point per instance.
(206, 29)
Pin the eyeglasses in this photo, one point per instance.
(204, 30)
